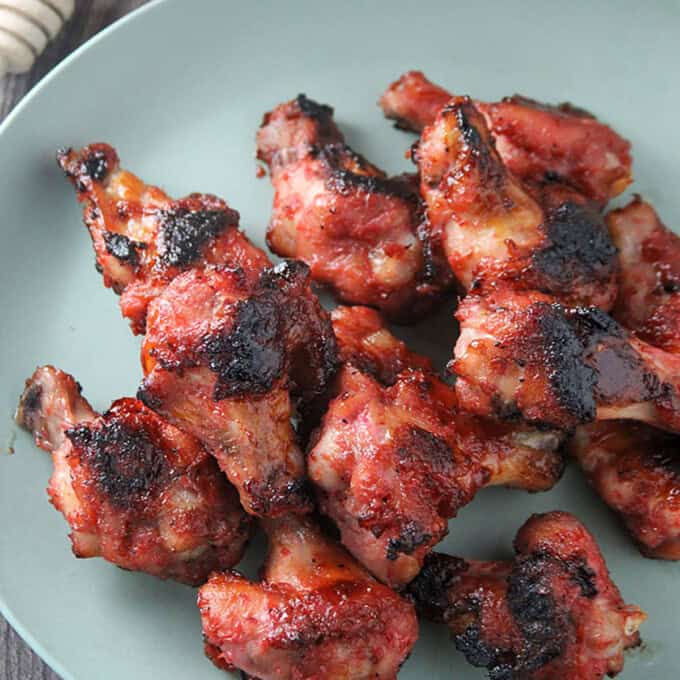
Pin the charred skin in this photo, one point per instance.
(635, 470)
(222, 358)
(535, 141)
(360, 232)
(649, 253)
(134, 489)
(522, 354)
(394, 458)
(316, 614)
(497, 231)
(551, 612)
(142, 238)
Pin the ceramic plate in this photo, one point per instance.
(179, 89)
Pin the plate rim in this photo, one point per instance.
(17, 626)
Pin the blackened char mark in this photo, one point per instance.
(126, 466)
(122, 248)
(249, 357)
(28, 413)
(95, 165)
(544, 625)
(478, 652)
(410, 537)
(337, 158)
(184, 233)
(322, 114)
(622, 376)
(481, 147)
(573, 381)
(579, 247)
(313, 109)
(430, 589)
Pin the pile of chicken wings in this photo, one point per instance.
(259, 407)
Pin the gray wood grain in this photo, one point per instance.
(17, 660)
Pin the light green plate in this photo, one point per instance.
(179, 88)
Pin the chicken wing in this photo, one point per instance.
(221, 359)
(393, 464)
(649, 253)
(497, 230)
(635, 469)
(536, 141)
(552, 612)
(394, 457)
(360, 231)
(134, 489)
(142, 238)
(316, 614)
(522, 354)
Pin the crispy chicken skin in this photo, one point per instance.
(365, 342)
(497, 230)
(536, 141)
(316, 614)
(360, 231)
(222, 358)
(551, 612)
(134, 489)
(649, 252)
(142, 238)
(635, 469)
(522, 354)
(393, 464)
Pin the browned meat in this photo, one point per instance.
(316, 614)
(134, 489)
(142, 238)
(536, 141)
(649, 252)
(221, 358)
(523, 354)
(497, 230)
(551, 613)
(360, 232)
(635, 469)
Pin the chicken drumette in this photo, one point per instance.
(393, 463)
(361, 232)
(536, 141)
(227, 360)
(497, 230)
(635, 469)
(552, 612)
(523, 354)
(649, 253)
(134, 489)
(316, 614)
(142, 238)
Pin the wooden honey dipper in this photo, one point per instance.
(26, 26)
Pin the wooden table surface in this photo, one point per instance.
(17, 661)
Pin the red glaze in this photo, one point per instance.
(142, 238)
(360, 231)
(496, 230)
(535, 140)
(649, 252)
(634, 470)
(134, 489)
(316, 615)
(221, 358)
(523, 354)
(552, 612)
